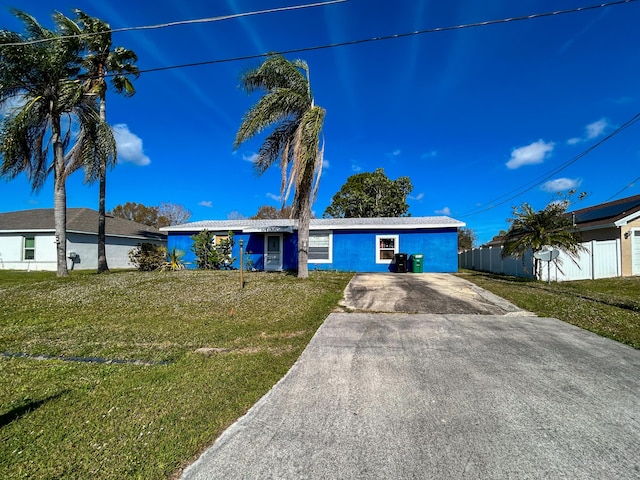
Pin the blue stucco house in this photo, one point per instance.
(345, 244)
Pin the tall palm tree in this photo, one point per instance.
(287, 105)
(100, 60)
(43, 78)
(533, 230)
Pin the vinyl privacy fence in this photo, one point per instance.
(600, 259)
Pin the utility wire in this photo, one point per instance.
(554, 171)
(630, 184)
(177, 23)
(391, 37)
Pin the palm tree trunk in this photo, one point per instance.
(102, 255)
(304, 218)
(59, 199)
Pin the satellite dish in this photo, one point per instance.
(547, 255)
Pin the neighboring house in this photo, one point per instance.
(27, 239)
(346, 244)
(615, 222)
(611, 237)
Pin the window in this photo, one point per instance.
(29, 248)
(387, 247)
(320, 247)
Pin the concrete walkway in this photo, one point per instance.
(399, 396)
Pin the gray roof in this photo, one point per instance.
(79, 220)
(321, 224)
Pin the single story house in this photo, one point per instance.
(27, 239)
(346, 244)
(617, 221)
(610, 234)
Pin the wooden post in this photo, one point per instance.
(241, 262)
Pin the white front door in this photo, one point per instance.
(635, 252)
(273, 253)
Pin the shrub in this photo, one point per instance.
(212, 255)
(148, 256)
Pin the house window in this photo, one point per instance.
(219, 238)
(320, 250)
(29, 248)
(386, 247)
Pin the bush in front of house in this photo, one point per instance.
(212, 254)
(147, 257)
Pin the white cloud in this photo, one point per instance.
(275, 197)
(597, 128)
(431, 154)
(206, 203)
(249, 157)
(420, 196)
(530, 155)
(444, 211)
(593, 130)
(325, 163)
(129, 146)
(356, 168)
(561, 184)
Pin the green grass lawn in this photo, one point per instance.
(609, 307)
(152, 413)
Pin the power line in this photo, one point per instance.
(391, 37)
(177, 23)
(630, 184)
(554, 171)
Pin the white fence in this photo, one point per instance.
(599, 260)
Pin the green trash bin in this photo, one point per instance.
(417, 260)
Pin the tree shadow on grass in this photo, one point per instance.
(22, 410)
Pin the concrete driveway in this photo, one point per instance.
(424, 293)
(440, 396)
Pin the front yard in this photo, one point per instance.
(131, 375)
(609, 307)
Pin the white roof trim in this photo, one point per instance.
(629, 218)
(253, 226)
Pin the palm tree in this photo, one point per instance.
(531, 230)
(101, 60)
(42, 77)
(288, 106)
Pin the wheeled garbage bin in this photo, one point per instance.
(417, 263)
(401, 260)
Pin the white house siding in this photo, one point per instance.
(601, 259)
(11, 252)
(117, 250)
(84, 245)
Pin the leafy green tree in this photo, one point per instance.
(533, 230)
(371, 194)
(287, 104)
(466, 239)
(268, 212)
(43, 77)
(100, 60)
(211, 255)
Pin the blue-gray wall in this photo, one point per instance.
(353, 250)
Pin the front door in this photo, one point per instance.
(273, 255)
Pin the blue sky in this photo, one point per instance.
(473, 116)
